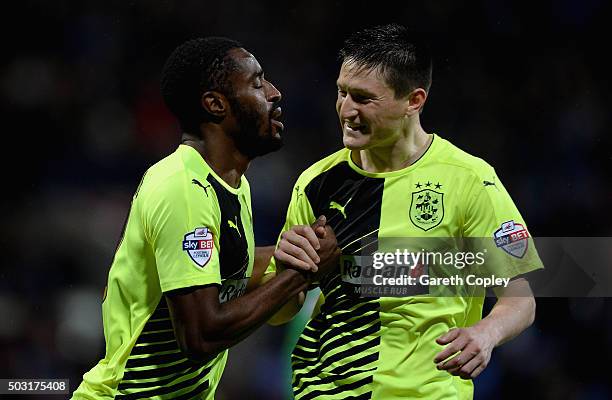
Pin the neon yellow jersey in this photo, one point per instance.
(383, 347)
(186, 227)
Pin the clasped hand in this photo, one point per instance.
(309, 248)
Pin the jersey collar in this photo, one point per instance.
(414, 165)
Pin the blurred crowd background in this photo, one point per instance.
(524, 86)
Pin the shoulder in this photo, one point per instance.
(172, 181)
(322, 166)
(453, 157)
(164, 177)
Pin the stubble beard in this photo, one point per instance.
(248, 139)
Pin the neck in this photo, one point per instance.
(220, 153)
(404, 151)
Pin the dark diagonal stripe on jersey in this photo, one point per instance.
(161, 312)
(157, 325)
(156, 359)
(351, 351)
(337, 390)
(359, 311)
(195, 392)
(308, 335)
(305, 354)
(157, 372)
(343, 302)
(360, 362)
(331, 379)
(347, 230)
(330, 283)
(365, 396)
(317, 322)
(336, 357)
(343, 323)
(347, 338)
(348, 321)
(306, 348)
(155, 348)
(130, 381)
(312, 335)
(147, 384)
(335, 291)
(146, 394)
(314, 328)
(334, 295)
(161, 382)
(154, 337)
(308, 343)
(337, 299)
(309, 347)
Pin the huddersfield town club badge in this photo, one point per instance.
(427, 209)
(199, 245)
(512, 238)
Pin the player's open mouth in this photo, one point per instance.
(354, 128)
(275, 120)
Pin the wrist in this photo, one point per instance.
(299, 280)
(491, 329)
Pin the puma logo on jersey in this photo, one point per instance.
(196, 182)
(335, 206)
(297, 192)
(234, 225)
(487, 183)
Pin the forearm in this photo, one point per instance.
(288, 311)
(263, 255)
(508, 318)
(237, 318)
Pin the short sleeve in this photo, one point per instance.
(299, 212)
(494, 225)
(182, 225)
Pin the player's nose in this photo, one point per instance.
(347, 109)
(273, 94)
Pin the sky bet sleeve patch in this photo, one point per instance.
(199, 245)
(512, 238)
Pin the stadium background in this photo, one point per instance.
(523, 86)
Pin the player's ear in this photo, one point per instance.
(415, 101)
(214, 103)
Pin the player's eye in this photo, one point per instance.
(361, 99)
(341, 93)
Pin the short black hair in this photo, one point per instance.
(194, 67)
(402, 56)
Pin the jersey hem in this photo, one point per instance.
(169, 286)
